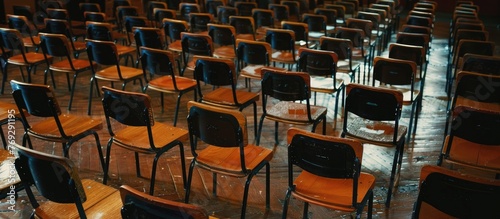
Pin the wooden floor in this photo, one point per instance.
(421, 150)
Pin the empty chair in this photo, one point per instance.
(359, 50)
(481, 64)
(340, 9)
(25, 10)
(245, 8)
(227, 153)
(473, 139)
(346, 63)
(58, 26)
(263, 18)
(56, 179)
(416, 54)
(106, 54)
(198, 22)
(11, 40)
(244, 27)
(445, 193)
(223, 37)
(252, 56)
(122, 12)
(281, 12)
(288, 88)
(160, 62)
(28, 32)
(194, 44)
(172, 30)
(151, 6)
(132, 22)
(103, 32)
(371, 109)
(139, 132)
(211, 6)
(400, 75)
(301, 33)
(186, 8)
(331, 17)
(46, 122)
(140, 204)
(331, 174)
(221, 73)
(283, 44)
(321, 65)
(58, 45)
(316, 24)
(162, 13)
(293, 10)
(224, 12)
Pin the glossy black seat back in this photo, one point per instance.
(127, 108)
(372, 105)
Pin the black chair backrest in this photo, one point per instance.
(148, 37)
(356, 37)
(300, 30)
(263, 18)
(256, 54)
(481, 64)
(37, 100)
(407, 52)
(211, 6)
(214, 128)
(372, 104)
(458, 197)
(474, 47)
(330, 14)
(57, 26)
(102, 52)
(199, 21)
(280, 40)
(55, 177)
(215, 72)
(323, 158)
(393, 71)
(285, 87)
(99, 31)
(11, 39)
(221, 35)
(245, 8)
(342, 47)
(281, 12)
(157, 62)
(141, 205)
(20, 23)
(315, 22)
(55, 45)
(476, 126)
(224, 12)
(478, 87)
(160, 14)
(134, 21)
(173, 29)
(151, 6)
(318, 62)
(242, 25)
(196, 45)
(128, 108)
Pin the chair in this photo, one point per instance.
(137, 204)
(283, 44)
(264, 18)
(58, 26)
(228, 153)
(472, 140)
(281, 12)
(103, 32)
(162, 13)
(77, 27)
(194, 44)
(359, 51)
(159, 62)
(445, 193)
(400, 75)
(301, 31)
(413, 53)
(140, 133)
(132, 22)
(11, 40)
(481, 64)
(28, 32)
(25, 10)
(46, 122)
(331, 174)
(244, 27)
(58, 45)
(252, 56)
(152, 5)
(378, 31)
(340, 9)
(288, 88)
(56, 179)
(186, 8)
(343, 48)
(321, 65)
(148, 37)
(122, 12)
(198, 22)
(293, 9)
(331, 18)
(224, 12)
(221, 73)
(245, 8)
(212, 5)
(172, 30)
(105, 53)
(223, 37)
(371, 115)
(316, 24)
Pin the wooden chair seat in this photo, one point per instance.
(72, 126)
(224, 160)
(175, 46)
(136, 137)
(224, 97)
(325, 85)
(123, 50)
(406, 93)
(473, 154)
(284, 57)
(245, 37)
(165, 84)
(32, 58)
(64, 66)
(225, 52)
(79, 45)
(105, 200)
(111, 74)
(252, 71)
(338, 197)
(294, 112)
(369, 131)
(28, 42)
